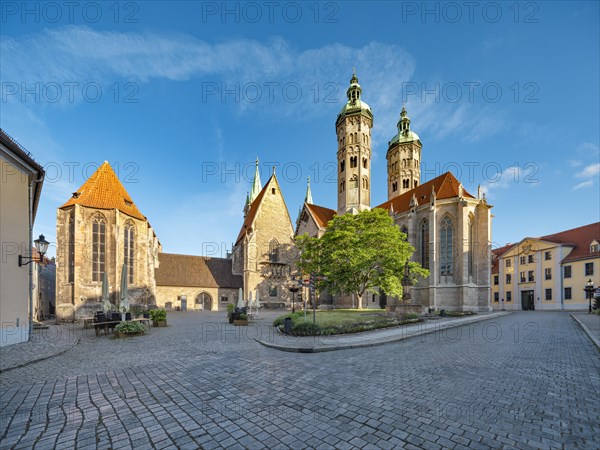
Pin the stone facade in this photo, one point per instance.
(78, 288)
(264, 251)
(195, 298)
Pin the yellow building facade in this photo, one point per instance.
(20, 188)
(547, 273)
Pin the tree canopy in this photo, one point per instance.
(359, 253)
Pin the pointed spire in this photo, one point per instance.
(354, 91)
(256, 184)
(404, 121)
(308, 197)
(247, 205)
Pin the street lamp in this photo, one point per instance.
(41, 245)
(293, 287)
(589, 290)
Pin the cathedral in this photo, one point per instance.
(449, 228)
(100, 230)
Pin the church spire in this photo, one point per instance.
(308, 197)
(256, 184)
(247, 205)
(354, 91)
(403, 122)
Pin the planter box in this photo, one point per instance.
(126, 335)
(160, 323)
(240, 323)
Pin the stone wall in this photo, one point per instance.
(169, 297)
(82, 296)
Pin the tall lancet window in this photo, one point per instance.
(274, 251)
(446, 247)
(425, 244)
(128, 250)
(471, 249)
(98, 247)
(71, 237)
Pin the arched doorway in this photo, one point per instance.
(204, 302)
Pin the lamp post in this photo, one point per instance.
(293, 287)
(589, 291)
(41, 245)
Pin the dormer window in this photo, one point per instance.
(594, 247)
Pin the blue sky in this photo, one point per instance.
(181, 97)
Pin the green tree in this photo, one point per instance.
(359, 253)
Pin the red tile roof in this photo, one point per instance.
(580, 238)
(445, 186)
(103, 190)
(320, 214)
(195, 271)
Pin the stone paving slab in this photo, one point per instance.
(590, 323)
(524, 380)
(45, 343)
(318, 344)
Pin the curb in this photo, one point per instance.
(587, 331)
(33, 361)
(332, 348)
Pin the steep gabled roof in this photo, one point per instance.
(255, 206)
(103, 190)
(320, 214)
(580, 238)
(195, 271)
(445, 186)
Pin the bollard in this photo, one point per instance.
(287, 325)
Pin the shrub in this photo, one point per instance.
(306, 329)
(230, 308)
(130, 328)
(409, 316)
(243, 316)
(158, 314)
(294, 316)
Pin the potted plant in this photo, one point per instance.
(242, 321)
(146, 314)
(159, 317)
(129, 329)
(230, 309)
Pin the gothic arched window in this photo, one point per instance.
(342, 165)
(98, 247)
(71, 238)
(128, 250)
(425, 244)
(274, 251)
(471, 237)
(365, 163)
(446, 246)
(353, 161)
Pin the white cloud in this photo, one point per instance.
(583, 185)
(509, 177)
(592, 170)
(575, 163)
(588, 149)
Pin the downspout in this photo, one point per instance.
(30, 200)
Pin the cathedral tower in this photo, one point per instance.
(403, 159)
(353, 129)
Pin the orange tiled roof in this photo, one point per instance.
(321, 214)
(580, 238)
(103, 190)
(445, 186)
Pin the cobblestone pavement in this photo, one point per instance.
(526, 380)
(44, 343)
